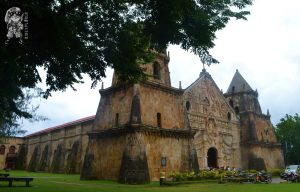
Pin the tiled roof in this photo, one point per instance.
(47, 130)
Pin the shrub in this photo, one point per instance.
(203, 174)
(177, 176)
(276, 172)
(252, 171)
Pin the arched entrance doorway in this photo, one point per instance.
(212, 157)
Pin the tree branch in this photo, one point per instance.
(65, 8)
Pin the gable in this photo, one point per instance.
(204, 98)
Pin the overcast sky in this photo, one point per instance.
(265, 49)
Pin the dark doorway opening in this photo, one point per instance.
(212, 158)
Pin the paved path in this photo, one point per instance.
(277, 180)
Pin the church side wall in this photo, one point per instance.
(56, 151)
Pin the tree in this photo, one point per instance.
(9, 125)
(68, 38)
(288, 134)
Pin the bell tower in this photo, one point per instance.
(157, 71)
(257, 134)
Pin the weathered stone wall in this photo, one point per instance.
(103, 159)
(59, 150)
(244, 101)
(257, 128)
(135, 155)
(8, 142)
(214, 120)
(259, 144)
(114, 102)
(176, 152)
(262, 156)
(159, 99)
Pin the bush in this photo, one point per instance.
(252, 171)
(191, 176)
(176, 176)
(276, 172)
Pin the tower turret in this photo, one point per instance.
(257, 134)
(241, 96)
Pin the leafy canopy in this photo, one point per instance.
(68, 38)
(288, 134)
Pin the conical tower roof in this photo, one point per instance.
(238, 84)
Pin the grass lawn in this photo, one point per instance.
(46, 182)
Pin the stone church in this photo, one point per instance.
(143, 129)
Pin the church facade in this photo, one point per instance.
(143, 129)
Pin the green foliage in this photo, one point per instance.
(288, 134)
(68, 38)
(9, 123)
(252, 171)
(276, 172)
(203, 175)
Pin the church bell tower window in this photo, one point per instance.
(231, 102)
(156, 71)
(233, 89)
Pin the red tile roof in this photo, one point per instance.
(78, 121)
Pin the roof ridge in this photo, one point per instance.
(49, 129)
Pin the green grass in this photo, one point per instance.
(46, 182)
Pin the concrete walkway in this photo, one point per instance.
(277, 180)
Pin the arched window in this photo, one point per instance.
(229, 116)
(231, 102)
(187, 105)
(158, 117)
(156, 71)
(237, 110)
(2, 149)
(233, 89)
(12, 150)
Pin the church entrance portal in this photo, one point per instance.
(212, 155)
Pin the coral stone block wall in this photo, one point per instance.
(60, 149)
